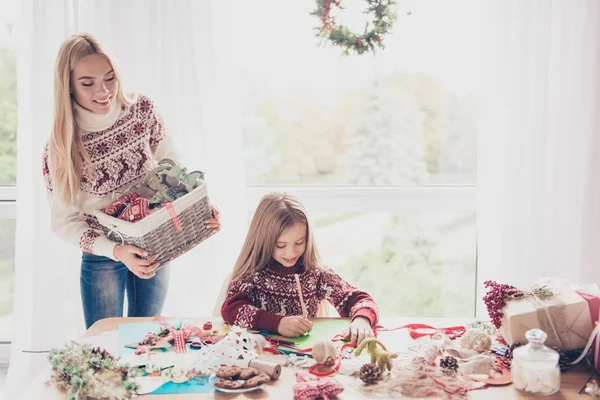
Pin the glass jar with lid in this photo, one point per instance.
(535, 367)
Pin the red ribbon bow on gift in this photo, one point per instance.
(116, 208)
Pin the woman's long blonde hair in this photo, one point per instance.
(67, 156)
(275, 212)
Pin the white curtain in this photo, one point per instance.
(176, 52)
(538, 162)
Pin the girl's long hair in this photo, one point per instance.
(66, 153)
(275, 212)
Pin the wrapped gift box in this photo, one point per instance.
(591, 294)
(565, 317)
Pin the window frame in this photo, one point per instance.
(417, 199)
(8, 210)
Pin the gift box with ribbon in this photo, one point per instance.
(564, 316)
(591, 294)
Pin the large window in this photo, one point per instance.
(383, 149)
(8, 170)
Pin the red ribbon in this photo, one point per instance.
(180, 340)
(173, 215)
(417, 331)
(327, 20)
(315, 370)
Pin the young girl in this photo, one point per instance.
(263, 291)
(102, 141)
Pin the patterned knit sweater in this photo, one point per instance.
(270, 294)
(123, 146)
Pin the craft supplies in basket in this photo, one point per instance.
(163, 214)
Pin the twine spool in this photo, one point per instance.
(270, 368)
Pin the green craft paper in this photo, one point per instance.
(322, 330)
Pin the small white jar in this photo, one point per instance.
(535, 367)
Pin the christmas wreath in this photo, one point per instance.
(384, 16)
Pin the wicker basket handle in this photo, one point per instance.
(166, 164)
(151, 177)
(113, 229)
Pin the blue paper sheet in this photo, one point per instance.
(134, 332)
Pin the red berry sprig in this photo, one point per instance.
(496, 297)
(498, 294)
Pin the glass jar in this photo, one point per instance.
(535, 367)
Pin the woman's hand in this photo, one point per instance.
(294, 326)
(215, 222)
(131, 256)
(359, 330)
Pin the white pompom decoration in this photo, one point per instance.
(323, 351)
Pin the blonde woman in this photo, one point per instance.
(102, 141)
(280, 252)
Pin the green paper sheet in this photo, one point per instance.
(322, 330)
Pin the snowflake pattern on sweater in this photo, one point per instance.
(121, 154)
(270, 294)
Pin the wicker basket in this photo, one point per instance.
(160, 232)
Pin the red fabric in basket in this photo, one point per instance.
(116, 208)
(139, 208)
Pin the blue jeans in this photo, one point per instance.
(103, 285)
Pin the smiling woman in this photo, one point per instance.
(94, 84)
(103, 141)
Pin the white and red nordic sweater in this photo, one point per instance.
(123, 146)
(261, 301)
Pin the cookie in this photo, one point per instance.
(229, 372)
(257, 380)
(248, 373)
(228, 384)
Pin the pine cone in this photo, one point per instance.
(449, 365)
(566, 357)
(511, 348)
(370, 373)
(564, 363)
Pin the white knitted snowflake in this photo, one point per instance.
(237, 348)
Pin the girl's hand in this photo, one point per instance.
(360, 328)
(294, 326)
(215, 222)
(131, 256)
